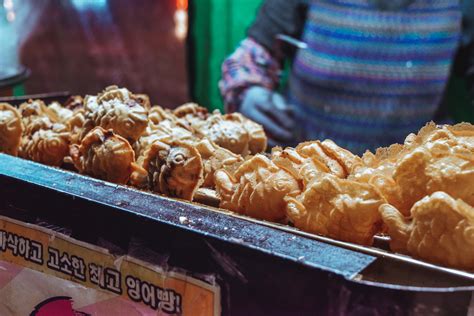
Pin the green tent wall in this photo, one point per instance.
(216, 27)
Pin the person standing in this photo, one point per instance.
(372, 71)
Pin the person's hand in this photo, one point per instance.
(269, 109)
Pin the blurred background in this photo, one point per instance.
(169, 49)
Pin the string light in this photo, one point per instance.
(182, 5)
(8, 5)
(181, 19)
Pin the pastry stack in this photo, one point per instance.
(420, 193)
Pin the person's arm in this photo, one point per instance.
(251, 74)
(250, 65)
(254, 63)
(249, 77)
(278, 17)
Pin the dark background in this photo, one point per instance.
(82, 49)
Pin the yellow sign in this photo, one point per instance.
(55, 254)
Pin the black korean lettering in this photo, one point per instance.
(113, 280)
(166, 300)
(148, 294)
(96, 275)
(65, 264)
(161, 294)
(171, 302)
(179, 309)
(53, 259)
(12, 243)
(3, 240)
(78, 268)
(133, 288)
(24, 247)
(36, 252)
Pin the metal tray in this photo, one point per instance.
(262, 268)
(376, 264)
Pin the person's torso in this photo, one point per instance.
(369, 77)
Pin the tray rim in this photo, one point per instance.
(371, 252)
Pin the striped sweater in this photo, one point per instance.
(368, 78)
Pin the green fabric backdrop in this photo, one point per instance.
(217, 26)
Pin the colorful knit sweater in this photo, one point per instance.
(368, 77)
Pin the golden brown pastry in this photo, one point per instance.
(33, 108)
(211, 156)
(47, 146)
(123, 94)
(437, 158)
(172, 128)
(127, 119)
(377, 170)
(337, 208)
(173, 169)
(143, 100)
(35, 116)
(233, 132)
(104, 155)
(58, 113)
(339, 161)
(440, 230)
(462, 132)
(215, 158)
(75, 125)
(304, 169)
(157, 114)
(167, 131)
(33, 124)
(115, 109)
(45, 139)
(441, 165)
(11, 129)
(90, 104)
(226, 133)
(166, 137)
(74, 102)
(230, 131)
(258, 138)
(145, 141)
(114, 92)
(257, 188)
(191, 112)
(310, 159)
(345, 158)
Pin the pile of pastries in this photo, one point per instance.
(420, 193)
(119, 137)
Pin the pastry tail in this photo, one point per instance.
(399, 227)
(139, 177)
